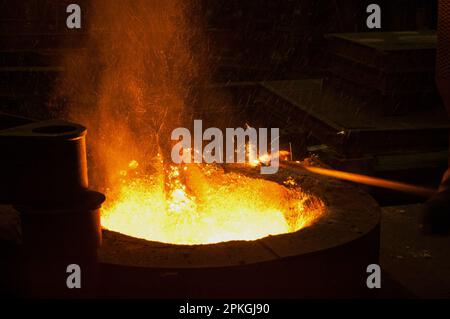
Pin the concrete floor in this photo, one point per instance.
(419, 263)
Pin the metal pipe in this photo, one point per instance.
(368, 180)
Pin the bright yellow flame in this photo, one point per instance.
(201, 205)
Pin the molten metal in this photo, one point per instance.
(209, 206)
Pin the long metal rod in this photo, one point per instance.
(368, 180)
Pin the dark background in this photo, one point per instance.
(251, 41)
(264, 39)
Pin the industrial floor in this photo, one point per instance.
(413, 265)
(416, 265)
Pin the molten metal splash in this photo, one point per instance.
(131, 88)
(208, 206)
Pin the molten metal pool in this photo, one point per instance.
(203, 204)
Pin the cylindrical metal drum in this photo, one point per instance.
(43, 162)
(53, 238)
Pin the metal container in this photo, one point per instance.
(54, 238)
(42, 163)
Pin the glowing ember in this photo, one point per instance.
(209, 206)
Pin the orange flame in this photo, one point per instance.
(131, 88)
